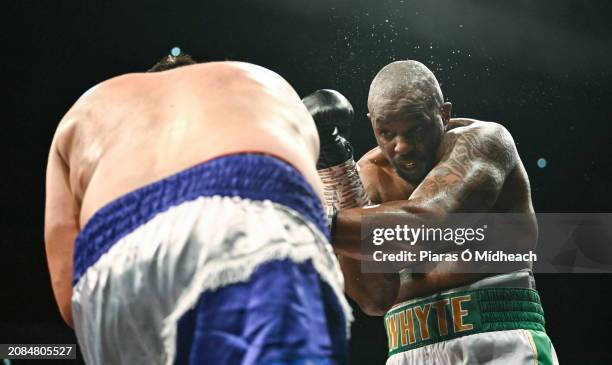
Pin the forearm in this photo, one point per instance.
(346, 237)
(374, 293)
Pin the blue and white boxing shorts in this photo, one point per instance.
(224, 263)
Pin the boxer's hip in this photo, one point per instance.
(496, 320)
(216, 240)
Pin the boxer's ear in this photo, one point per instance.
(446, 112)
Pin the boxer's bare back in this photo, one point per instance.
(136, 129)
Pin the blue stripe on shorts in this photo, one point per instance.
(284, 315)
(249, 176)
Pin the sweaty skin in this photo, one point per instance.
(426, 162)
(478, 170)
(136, 129)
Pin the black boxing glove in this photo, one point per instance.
(342, 188)
(331, 112)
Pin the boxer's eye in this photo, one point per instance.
(387, 135)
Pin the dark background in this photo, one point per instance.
(540, 68)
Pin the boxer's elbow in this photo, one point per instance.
(375, 306)
(62, 291)
(377, 297)
(66, 313)
(63, 297)
(67, 317)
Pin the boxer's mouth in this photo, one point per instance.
(408, 165)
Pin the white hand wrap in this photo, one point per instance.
(342, 187)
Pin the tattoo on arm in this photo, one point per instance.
(471, 173)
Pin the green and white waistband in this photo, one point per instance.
(455, 314)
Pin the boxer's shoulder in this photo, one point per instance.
(465, 126)
(369, 167)
(479, 139)
(229, 73)
(118, 84)
(373, 163)
(222, 66)
(94, 101)
(479, 134)
(373, 157)
(380, 180)
(103, 96)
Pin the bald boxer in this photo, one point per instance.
(427, 162)
(184, 221)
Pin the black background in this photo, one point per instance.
(540, 68)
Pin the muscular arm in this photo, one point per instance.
(468, 178)
(374, 292)
(61, 229)
(470, 175)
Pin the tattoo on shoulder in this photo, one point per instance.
(477, 158)
(487, 146)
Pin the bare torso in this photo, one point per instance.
(384, 185)
(136, 129)
(139, 128)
